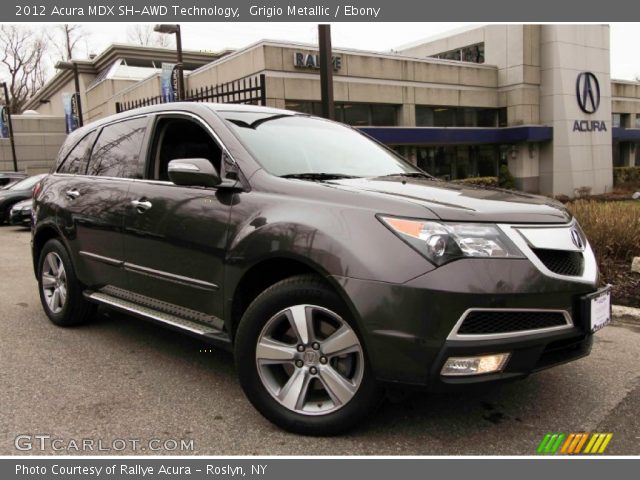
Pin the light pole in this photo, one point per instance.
(169, 28)
(7, 103)
(73, 67)
(326, 71)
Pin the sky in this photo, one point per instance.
(625, 37)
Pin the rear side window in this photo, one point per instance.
(76, 161)
(116, 153)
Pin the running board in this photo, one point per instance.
(204, 332)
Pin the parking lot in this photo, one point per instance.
(123, 378)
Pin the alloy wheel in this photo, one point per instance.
(309, 359)
(54, 282)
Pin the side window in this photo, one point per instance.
(182, 138)
(116, 153)
(76, 161)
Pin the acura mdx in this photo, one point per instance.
(331, 267)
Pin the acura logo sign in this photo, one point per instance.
(588, 92)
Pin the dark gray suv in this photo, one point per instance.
(329, 265)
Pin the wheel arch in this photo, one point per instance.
(40, 237)
(268, 271)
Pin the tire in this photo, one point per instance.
(56, 273)
(330, 384)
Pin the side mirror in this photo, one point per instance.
(193, 172)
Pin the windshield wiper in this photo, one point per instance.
(408, 175)
(317, 176)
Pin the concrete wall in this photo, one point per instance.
(625, 97)
(514, 51)
(38, 139)
(55, 107)
(99, 103)
(576, 158)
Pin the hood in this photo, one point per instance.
(464, 203)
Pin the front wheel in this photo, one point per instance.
(300, 360)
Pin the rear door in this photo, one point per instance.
(98, 199)
(176, 236)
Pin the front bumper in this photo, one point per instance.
(406, 327)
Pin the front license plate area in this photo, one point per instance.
(597, 307)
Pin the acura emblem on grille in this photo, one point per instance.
(576, 239)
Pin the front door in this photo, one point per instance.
(175, 236)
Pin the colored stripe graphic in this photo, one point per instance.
(573, 443)
(550, 443)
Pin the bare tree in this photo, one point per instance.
(67, 39)
(145, 36)
(22, 54)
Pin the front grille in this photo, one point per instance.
(487, 322)
(562, 262)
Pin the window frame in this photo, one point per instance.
(87, 154)
(143, 148)
(152, 155)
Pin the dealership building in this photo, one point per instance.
(538, 98)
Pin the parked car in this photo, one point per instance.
(8, 178)
(20, 213)
(17, 192)
(330, 266)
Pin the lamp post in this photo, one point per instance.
(7, 103)
(326, 72)
(169, 28)
(73, 67)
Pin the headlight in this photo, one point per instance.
(443, 242)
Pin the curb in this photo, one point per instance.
(623, 314)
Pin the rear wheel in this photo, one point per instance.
(60, 290)
(300, 360)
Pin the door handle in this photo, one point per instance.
(72, 194)
(141, 205)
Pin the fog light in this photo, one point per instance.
(475, 365)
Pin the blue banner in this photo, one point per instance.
(70, 104)
(4, 122)
(169, 82)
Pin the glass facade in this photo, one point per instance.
(472, 53)
(616, 120)
(450, 162)
(442, 116)
(356, 114)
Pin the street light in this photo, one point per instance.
(170, 29)
(73, 67)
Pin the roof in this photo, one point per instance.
(179, 106)
(133, 54)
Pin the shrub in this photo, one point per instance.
(613, 228)
(505, 179)
(483, 181)
(626, 177)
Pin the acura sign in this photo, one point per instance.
(588, 92)
(588, 96)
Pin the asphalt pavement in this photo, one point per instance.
(120, 380)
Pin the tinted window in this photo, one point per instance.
(181, 138)
(76, 161)
(116, 153)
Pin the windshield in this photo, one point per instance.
(27, 183)
(287, 145)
